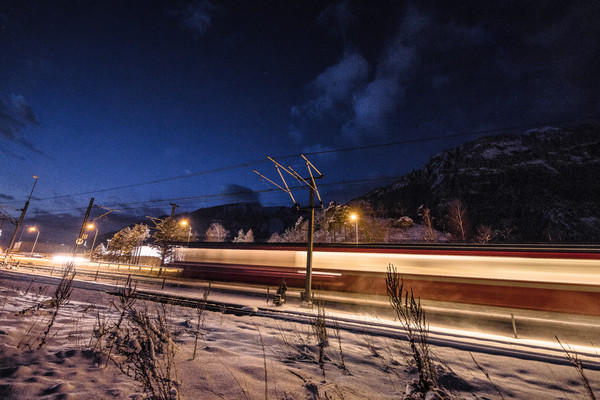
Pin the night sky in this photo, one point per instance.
(144, 103)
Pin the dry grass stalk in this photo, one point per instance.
(145, 351)
(336, 327)
(487, 375)
(200, 319)
(576, 362)
(61, 297)
(319, 325)
(412, 317)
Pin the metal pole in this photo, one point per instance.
(34, 243)
(93, 243)
(309, 249)
(356, 229)
(12, 242)
(81, 232)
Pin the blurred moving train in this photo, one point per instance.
(564, 279)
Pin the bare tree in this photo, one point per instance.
(216, 233)
(484, 234)
(457, 218)
(428, 221)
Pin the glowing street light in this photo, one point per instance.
(354, 218)
(34, 229)
(185, 222)
(89, 227)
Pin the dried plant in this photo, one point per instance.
(412, 317)
(576, 362)
(200, 319)
(336, 327)
(319, 326)
(61, 297)
(487, 375)
(127, 300)
(146, 352)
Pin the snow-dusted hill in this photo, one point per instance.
(542, 185)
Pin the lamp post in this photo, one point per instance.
(90, 227)
(185, 222)
(34, 229)
(12, 241)
(354, 218)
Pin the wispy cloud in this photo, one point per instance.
(333, 88)
(196, 16)
(358, 97)
(15, 115)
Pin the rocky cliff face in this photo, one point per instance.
(543, 185)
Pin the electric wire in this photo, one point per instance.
(329, 151)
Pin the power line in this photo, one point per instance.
(330, 151)
(234, 195)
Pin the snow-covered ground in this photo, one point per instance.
(252, 357)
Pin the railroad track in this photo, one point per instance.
(459, 340)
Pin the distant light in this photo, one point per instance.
(353, 217)
(183, 222)
(321, 273)
(91, 226)
(32, 229)
(65, 259)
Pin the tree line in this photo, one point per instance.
(333, 224)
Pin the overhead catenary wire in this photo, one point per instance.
(233, 195)
(321, 152)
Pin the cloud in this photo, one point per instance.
(196, 16)
(15, 114)
(334, 86)
(6, 197)
(361, 101)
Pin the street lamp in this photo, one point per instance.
(14, 236)
(90, 227)
(34, 229)
(185, 222)
(354, 218)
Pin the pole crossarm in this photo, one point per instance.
(106, 213)
(310, 182)
(6, 216)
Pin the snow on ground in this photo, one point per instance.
(247, 357)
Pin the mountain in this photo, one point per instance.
(542, 185)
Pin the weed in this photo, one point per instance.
(319, 325)
(200, 319)
(412, 317)
(61, 297)
(576, 362)
(336, 327)
(146, 352)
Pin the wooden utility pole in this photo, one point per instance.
(82, 231)
(173, 207)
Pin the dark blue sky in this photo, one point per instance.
(99, 95)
